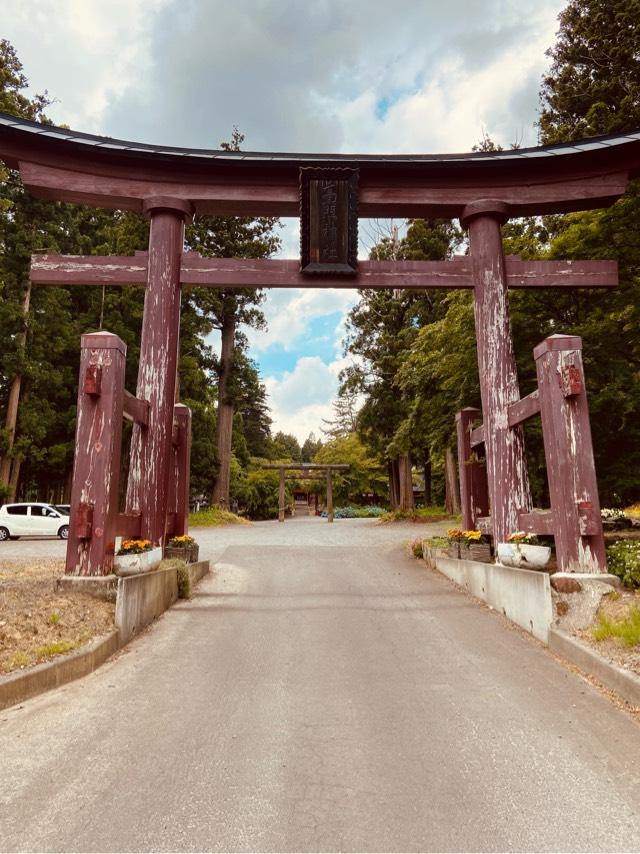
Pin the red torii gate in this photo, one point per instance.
(171, 184)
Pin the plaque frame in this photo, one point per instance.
(309, 263)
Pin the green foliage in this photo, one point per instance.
(623, 560)
(285, 447)
(593, 86)
(184, 581)
(626, 629)
(215, 517)
(416, 548)
(364, 476)
(421, 514)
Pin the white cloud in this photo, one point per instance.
(290, 312)
(304, 396)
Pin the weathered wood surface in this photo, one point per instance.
(474, 493)
(96, 471)
(275, 273)
(524, 409)
(149, 472)
(135, 410)
(392, 192)
(281, 497)
(330, 493)
(181, 470)
(507, 474)
(573, 487)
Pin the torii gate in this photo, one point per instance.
(306, 471)
(171, 184)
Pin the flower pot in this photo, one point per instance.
(135, 564)
(524, 556)
(178, 552)
(194, 552)
(465, 553)
(480, 552)
(454, 550)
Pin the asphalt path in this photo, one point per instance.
(323, 691)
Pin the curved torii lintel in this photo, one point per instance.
(63, 164)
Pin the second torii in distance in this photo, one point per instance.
(311, 469)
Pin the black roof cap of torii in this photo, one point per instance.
(116, 146)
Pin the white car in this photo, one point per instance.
(32, 519)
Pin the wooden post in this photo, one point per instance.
(149, 472)
(474, 495)
(281, 497)
(182, 419)
(573, 488)
(96, 472)
(329, 496)
(507, 474)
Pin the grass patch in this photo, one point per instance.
(54, 618)
(423, 514)
(215, 517)
(626, 629)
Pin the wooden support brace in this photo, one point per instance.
(573, 488)
(96, 472)
(474, 495)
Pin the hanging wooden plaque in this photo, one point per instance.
(329, 221)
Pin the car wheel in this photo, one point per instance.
(4, 534)
(63, 533)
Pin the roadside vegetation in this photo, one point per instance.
(215, 517)
(418, 515)
(39, 623)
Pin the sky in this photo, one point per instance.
(361, 76)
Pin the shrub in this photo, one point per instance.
(627, 629)
(623, 558)
(184, 581)
(416, 548)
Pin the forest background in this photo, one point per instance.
(414, 353)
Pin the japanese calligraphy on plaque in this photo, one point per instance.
(329, 221)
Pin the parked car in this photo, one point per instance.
(65, 509)
(32, 519)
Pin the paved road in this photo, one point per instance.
(323, 691)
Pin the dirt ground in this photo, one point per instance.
(616, 608)
(36, 621)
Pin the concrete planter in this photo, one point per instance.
(124, 565)
(522, 555)
(454, 550)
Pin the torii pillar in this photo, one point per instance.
(149, 473)
(507, 474)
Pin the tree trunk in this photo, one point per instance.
(406, 483)
(394, 485)
(452, 494)
(224, 424)
(427, 479)
(15, 477)
(11, 419)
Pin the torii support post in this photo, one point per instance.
(474, 495)
(182, 422)
(281, 497)
(507, 475)
(573, 489)
(96, 471)
(329, 496)
(149, 472)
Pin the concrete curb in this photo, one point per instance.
(20, 686)
(623, 682)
